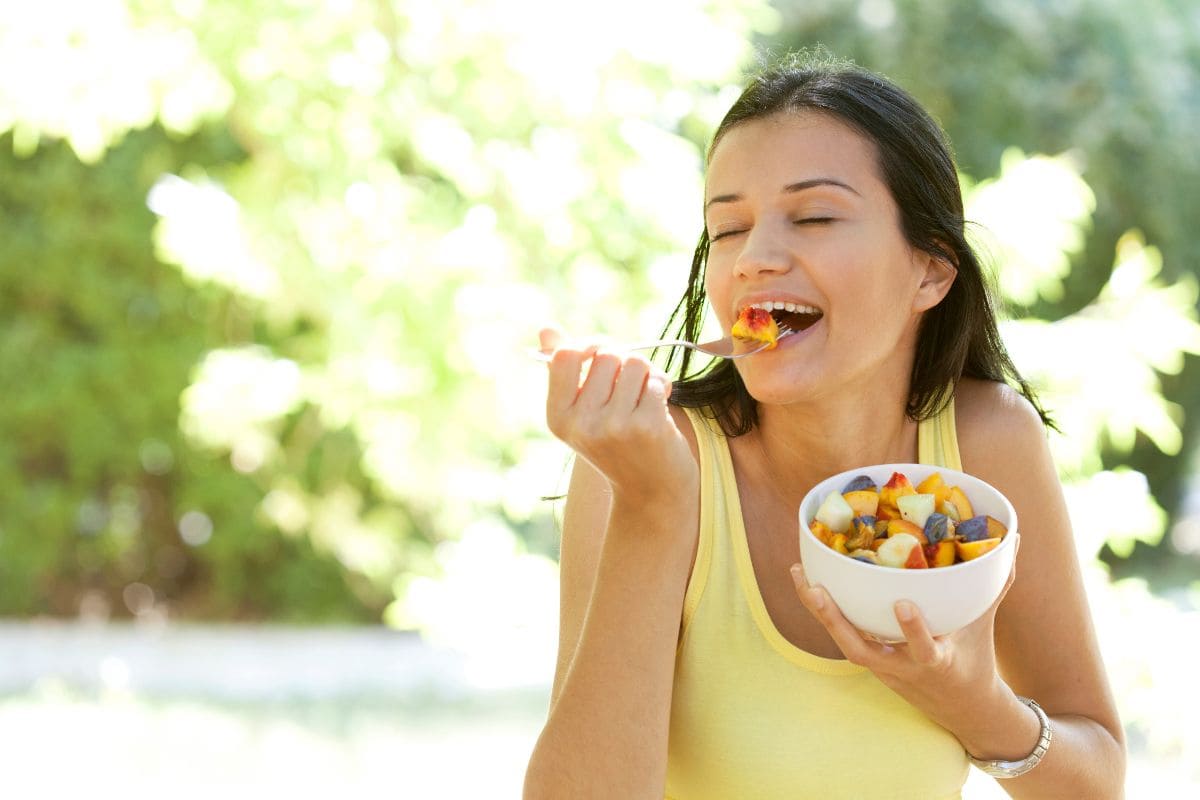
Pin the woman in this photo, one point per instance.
(694, 659)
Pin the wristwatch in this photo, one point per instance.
(1011, 769)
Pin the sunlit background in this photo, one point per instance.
(272, 456)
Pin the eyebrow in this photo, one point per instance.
(791, 188)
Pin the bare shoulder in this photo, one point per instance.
(999, 430)
(684, 424)
(990, 413)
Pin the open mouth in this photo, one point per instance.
(792, 316)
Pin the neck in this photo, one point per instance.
(802, 444)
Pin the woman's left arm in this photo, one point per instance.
(1037, 640)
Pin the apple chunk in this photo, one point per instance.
(835, 513)
(898, 550)
(916, 508)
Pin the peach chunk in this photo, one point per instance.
(756, 325)
(896, 526)
(865, 502)
(940, 554)
(822, 532)
(936, 486)
(962, 506)
(968, 551)
(996, 528)
(897, 487)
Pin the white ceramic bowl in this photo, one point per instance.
(949, 597)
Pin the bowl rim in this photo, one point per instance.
(1004, 541)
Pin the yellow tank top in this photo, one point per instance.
(752, 715)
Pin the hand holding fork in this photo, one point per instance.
(718, 348)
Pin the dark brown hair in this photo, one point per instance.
(958, 337)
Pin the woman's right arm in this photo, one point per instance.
(628, 535)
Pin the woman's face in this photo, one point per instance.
(797, 213)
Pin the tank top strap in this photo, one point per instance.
(937, 439)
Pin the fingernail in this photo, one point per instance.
(904, 611)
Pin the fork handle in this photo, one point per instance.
(665, 343)
(546, 357)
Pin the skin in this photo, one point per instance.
(631, 523)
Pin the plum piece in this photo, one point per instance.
(860, 483)
(937, 527)
(973, 529)
(865, 555)
(863, 532)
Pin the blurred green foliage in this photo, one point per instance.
(289, 392)
(98, 343)
(270, 269)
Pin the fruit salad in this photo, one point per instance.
(897, 525)
(756, 325)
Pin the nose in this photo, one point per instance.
(764, 253)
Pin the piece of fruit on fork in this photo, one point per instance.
(756, 325)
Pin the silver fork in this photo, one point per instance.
(717, 348)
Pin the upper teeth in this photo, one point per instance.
(776, 305)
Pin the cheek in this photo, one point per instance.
(717, 289)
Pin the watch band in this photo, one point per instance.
(1011, 769)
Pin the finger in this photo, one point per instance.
(651, 409)
(922, 647)
(665, 382)
(598, 385)
(565, 369)
(631, 381)
(656, 390)
(549, 338)
(854, 647)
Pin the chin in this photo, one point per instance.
(776, 388)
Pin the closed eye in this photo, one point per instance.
(805, 221)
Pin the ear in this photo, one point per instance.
(937, 276)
